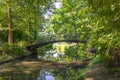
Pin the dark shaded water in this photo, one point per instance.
(36, 69)
(43, 74)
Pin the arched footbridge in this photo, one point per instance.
(33, 48)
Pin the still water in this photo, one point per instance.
(37, 69)
(43, 74)
(40, 68)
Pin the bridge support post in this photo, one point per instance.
(34, 53)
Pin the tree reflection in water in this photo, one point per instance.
(43, 74)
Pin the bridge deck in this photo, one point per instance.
(32, 47)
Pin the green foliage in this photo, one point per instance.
(13, 50)
(27, 19)
(96, 19)
(42, 51)
(27, 22)
(71, 51)
(69, 74)
(22, 43)
(105, 26)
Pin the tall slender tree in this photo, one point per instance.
(10, 38)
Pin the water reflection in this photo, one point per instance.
(51, 55)
(39, 70)
(43, 74)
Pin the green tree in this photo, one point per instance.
(25, 18)
(96, 19)
(105, 30)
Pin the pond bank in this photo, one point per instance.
(99, 72)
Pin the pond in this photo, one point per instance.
(43, 74)
(51, 66)
(37, 70)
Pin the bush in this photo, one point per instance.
(22, 43)
(13, 50)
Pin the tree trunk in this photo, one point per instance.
(10, 39)
(29, 25)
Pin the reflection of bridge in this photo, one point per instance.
(33, 48)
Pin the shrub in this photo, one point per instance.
(13, 50)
